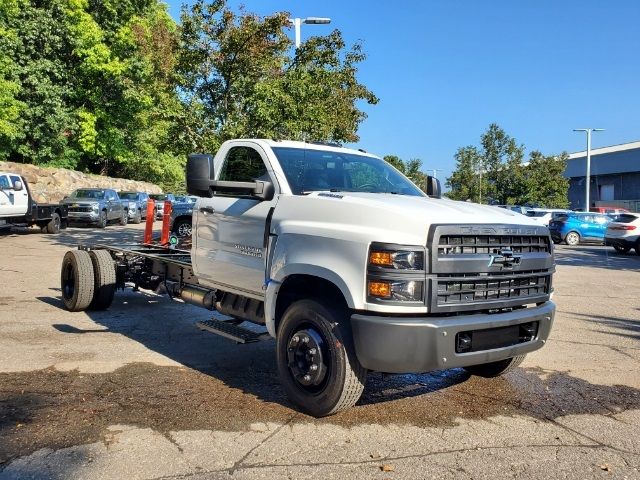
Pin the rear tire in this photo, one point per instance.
(495, 369)
(621, 249)
(182, 228)
(104, 285)
(316, 359)
(54, 224)
(572, 238)
(77, 280)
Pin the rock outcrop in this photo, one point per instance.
(50, 185)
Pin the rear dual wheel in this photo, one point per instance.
(316, 359)
(87, 280)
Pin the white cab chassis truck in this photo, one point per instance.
(347, 264)
(18, 208)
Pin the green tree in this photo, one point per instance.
(495, 173)
(545, 183)
(411, 169)
(239, 79)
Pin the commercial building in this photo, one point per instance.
(615, 177)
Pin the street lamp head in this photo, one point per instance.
(316, 20)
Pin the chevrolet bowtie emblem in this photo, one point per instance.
(505, 259)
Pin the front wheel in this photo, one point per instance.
(77, 280)
(572, 238)
(495, 369)
(316, 359)
(124, 218)
(54, 224)
(137, 218)
(102, 221)
(621, 249)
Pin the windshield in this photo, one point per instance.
(316, 170)
(128, 195)
(159, 196)
(85, 193)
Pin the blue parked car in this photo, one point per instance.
(576, 227)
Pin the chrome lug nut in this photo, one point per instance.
(313, 368)
(307, 378)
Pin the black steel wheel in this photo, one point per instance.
(495, 369)
(54, 224)
(104, 284)
(77, 280)
(316, 359)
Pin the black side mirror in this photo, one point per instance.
(200, 174)
(432, 187)
(264, 190)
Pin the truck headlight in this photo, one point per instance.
(95, 207)
(396, 257)
(399, 291)
(132, 205)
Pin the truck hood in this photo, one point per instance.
(81, 200)
(384, 217)
(432, 210)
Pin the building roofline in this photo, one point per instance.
(611, 149)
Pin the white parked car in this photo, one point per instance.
(623, 233)
(545, 215)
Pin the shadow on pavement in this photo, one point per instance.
(596, 256)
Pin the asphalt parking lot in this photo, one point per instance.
(139, 392)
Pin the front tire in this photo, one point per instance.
(54, 224)
(316, 359)
(77, 280)
(572, 238)
(495, 369)
(102, 221)
(138, 217)
(124, 218)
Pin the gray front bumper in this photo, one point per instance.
(422, 344)
(83, 216)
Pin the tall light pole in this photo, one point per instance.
(297, 22)
(434, 170)
(588, 180)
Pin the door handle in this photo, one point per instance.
(209, 210)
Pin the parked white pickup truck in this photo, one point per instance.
(18, 208)
(346, 263)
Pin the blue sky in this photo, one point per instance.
(444, 70)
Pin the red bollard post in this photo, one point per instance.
(148, 228)
(166, 219)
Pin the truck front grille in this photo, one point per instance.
(474, 288)
(80, 209)
(486, 267)
(461, 244)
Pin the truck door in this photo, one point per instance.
(12, 201)
(113, 212)
(229, 229)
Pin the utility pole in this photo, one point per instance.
(588, 179)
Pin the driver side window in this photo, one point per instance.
(242, 164)
(4, 182)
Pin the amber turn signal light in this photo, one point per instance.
(380, 289)
(381, 258)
